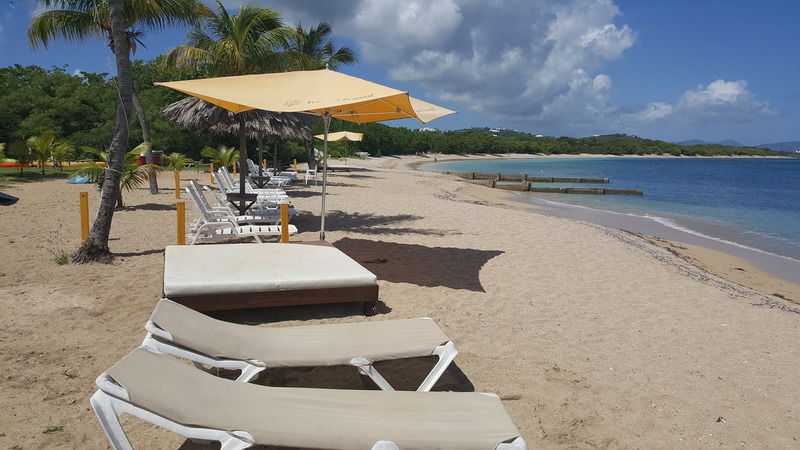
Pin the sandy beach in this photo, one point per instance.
(594, 337)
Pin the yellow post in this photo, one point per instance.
(234, 169)
(84, 215)
(295, 166)
(264, 163)
(177, 184)
(181, 229)
(284, 222)
(211, 169)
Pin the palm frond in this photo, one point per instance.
(64, 24)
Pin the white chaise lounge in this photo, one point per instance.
(167, 392)
(239, 276)
(180, 331)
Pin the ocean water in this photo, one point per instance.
(752, 204)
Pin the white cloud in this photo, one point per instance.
(723, 99)
(719, 101)
(535, 64)
(509, 59)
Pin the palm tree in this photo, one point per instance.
(313, 49)
(222, 156)
(224, 44)
(133, 175)
(95, 246)
(77, 20)
(41, 148)
(175, 161)
(61, 151)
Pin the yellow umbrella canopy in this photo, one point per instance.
(340, 136)
(428, 111)
(321, 92)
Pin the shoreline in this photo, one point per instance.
(702, 253)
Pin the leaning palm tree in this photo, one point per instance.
(77, 20)
(132, 175)
(224, 44)
(41, 148)
(313, 49)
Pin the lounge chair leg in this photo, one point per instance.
(446, 353)
(366, 368)
(103, 406)
(370, 308)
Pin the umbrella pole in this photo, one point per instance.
(242, 165)
(326, 122)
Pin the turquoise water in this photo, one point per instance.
(751, 203)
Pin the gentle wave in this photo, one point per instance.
(675, 226)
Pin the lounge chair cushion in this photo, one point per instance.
(246, 268)
(313, 345)
(312, 418)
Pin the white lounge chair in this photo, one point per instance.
(258, 214)
(276, 179)
(214, 226)
(180, 331)
(227, 184)
(166, 392)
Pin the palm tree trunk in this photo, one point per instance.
(95, 247)
(148, 154)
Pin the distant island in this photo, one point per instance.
(790, 146)
(393, 141)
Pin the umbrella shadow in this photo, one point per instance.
(455, 268)
(367, 223)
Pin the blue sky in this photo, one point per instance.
(671, 70)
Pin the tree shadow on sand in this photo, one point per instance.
(365, 223)
(148, 207)
(456, 268)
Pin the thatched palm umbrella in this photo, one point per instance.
(194, 113)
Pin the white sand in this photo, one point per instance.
(606, 340)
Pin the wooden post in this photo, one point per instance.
(211, 171)
(295, 167)
(284, 222)
(84, 215)
(177, 184)
(181, 228)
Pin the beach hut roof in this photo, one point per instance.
(194, 113)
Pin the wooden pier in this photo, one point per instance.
(524, 177)
(523, 182)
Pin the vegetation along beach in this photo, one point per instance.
(617, 262)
